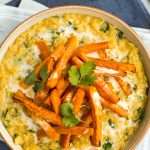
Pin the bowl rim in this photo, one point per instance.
(97, 10)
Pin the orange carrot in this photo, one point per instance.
(51, 59)
(37, 110)
(124, 67)
(114, 107)
(76, 61)
(44, 49)
(78, 100)
(93, 47)
(62, 63)
(96, 110)
(41, 95)
(125, 86)
(62, 86)
(55, 100)
(114, 65)
(78, 130)
(49, 62)
(102, 55)
(49, 130)
(65, 141)
(86, 120)
(48, 100)
(105, 91)
(68, 95)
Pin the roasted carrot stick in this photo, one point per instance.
(78, 130)
(102, 54)
(93, 47)
(68, 94)
(78, 100)
(49, 130)
(55, 100)
(96, 110)
(48, 100)
(62, 86)
(86, 120)
(114, 65)
(49, 62)
(51, 59)
(62, 63)
(41, 95)
(39, 111)
(65, 141)
(76, 61)
(114, 107)
(109, 63)
(44, 49)
(105, 91)
(125, 86)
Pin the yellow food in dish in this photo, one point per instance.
(39, 111)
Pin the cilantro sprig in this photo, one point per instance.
(38, 84)
(68, 117)
(84, 75)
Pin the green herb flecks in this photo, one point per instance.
(30, 79)
(107, 146)
(104, 27)
(38, 86)
(44, 73)
(119, 34)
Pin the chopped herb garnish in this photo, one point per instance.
(38, 86)
(119, 34)
(68, 117)
(107, 145)
(104, 26)
(44, 73)
(87, 68)
(112, 125)
(69, 22)
(30, 79)
(83, 75)
(74, 75)
(70, 121)
(75, 28)
(66, 109)
(88, 79)
(141, 113)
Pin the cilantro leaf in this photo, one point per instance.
(70, 121)
(66, 109)
(74, 75)
(87, 68)
(88, 79)
(38, 86)
(44, 73)
(30, 79)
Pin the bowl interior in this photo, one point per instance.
(129, 33)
